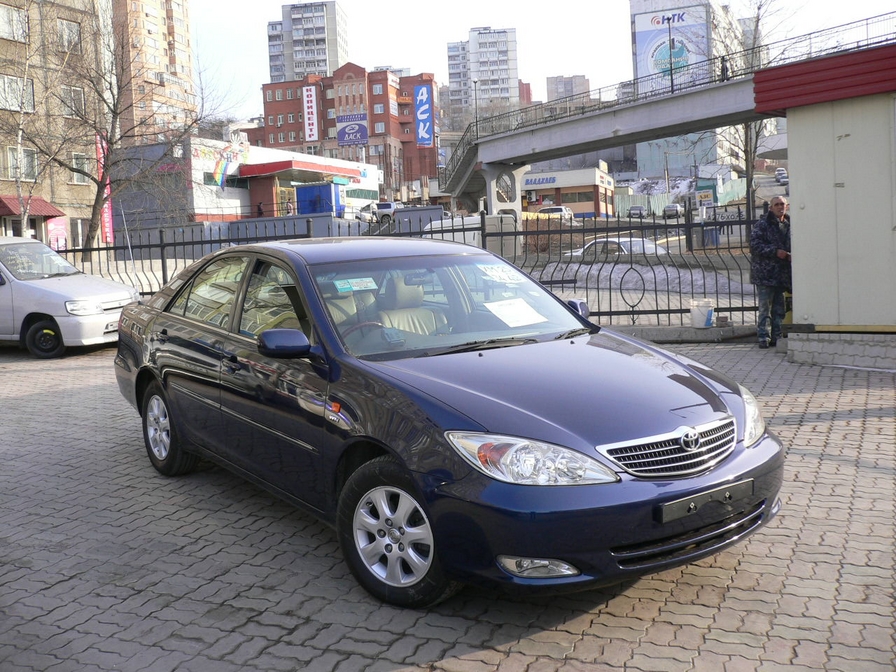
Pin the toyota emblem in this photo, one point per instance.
(690, 440)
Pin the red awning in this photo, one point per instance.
(38, 207)
(290, 166)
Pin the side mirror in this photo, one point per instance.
(580, 306)
(283, 343)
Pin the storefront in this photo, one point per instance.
(588, 192)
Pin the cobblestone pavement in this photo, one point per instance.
(105, 565)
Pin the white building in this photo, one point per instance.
(310, 39)
(483, 78)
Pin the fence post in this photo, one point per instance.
(482, 229)
(162, 255)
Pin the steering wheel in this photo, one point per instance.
(355, 327)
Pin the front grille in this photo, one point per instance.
(666, 455)
(692, 544)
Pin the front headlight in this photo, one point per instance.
(83, 307)
(522, 461)
(754, 424)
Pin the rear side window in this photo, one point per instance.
(211, 295)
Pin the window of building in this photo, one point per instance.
(379, 108)
(288, 94)
(292, 136)
(72, 101)
(13, 23)
(69, 36)
(26, 169)
(377, 89)
(271, 120)
(379, 127)
(291, 118)
(79, 161)
(279, 119)
(331, 114)
(279, 94)
(270, 138)
(269, 95)
(281, 137)
(16, 93)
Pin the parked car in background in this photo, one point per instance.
(780, 173)
(602, 249)
(452, 419)
(638, 212)
(382, 212)
(673, 210)
(562, 212)
(46, 304)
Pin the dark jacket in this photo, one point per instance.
(767, 237)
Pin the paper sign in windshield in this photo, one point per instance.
(354, 284)
(500, 273)
(515, 313)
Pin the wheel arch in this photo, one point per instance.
(354, 456)
(30, 320)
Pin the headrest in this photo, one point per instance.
(400, 295)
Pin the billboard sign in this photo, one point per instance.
(351, 129)
(424, 116)
(666, 43)
(309, 109)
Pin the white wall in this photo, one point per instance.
(843, 212)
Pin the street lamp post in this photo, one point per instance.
(476, 105)
(671, 49)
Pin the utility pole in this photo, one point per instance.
(668, 20)
(476, 106)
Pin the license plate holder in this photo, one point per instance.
(688, 506)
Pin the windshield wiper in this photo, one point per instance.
(487, 344)
(579, 331)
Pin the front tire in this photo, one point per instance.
(162, 445)
(387, 539)
(44, 340)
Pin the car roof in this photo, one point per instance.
(329, 250)
(18, 240)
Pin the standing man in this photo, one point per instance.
(770, 269)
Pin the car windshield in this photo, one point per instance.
(33, 261)
(428, 306)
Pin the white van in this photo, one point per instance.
(46, 304)
(467, 230)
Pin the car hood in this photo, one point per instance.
(598, 389)
(74, 287)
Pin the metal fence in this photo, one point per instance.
(629, 271)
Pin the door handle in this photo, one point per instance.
(231, 364)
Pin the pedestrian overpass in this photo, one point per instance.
(495, 152)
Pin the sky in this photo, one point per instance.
(558, 38)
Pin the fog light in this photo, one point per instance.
(532, 568)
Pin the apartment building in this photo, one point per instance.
(376, 117)
(483, 77)
(156, 67)
(309, 39)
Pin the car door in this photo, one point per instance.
(274, 409)
(186, 344)
(7, 305)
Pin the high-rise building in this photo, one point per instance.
(156, 65)
(482, 75)
(562, 87)
(311, 38)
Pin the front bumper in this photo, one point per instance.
(611, 532)
(89, 329)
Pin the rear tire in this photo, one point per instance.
(44, 340)
(387, 539)
(162, 445)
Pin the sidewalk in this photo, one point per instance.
(106, 565)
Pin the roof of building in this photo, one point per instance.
(38, 207)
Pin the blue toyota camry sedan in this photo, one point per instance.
(453, 420)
